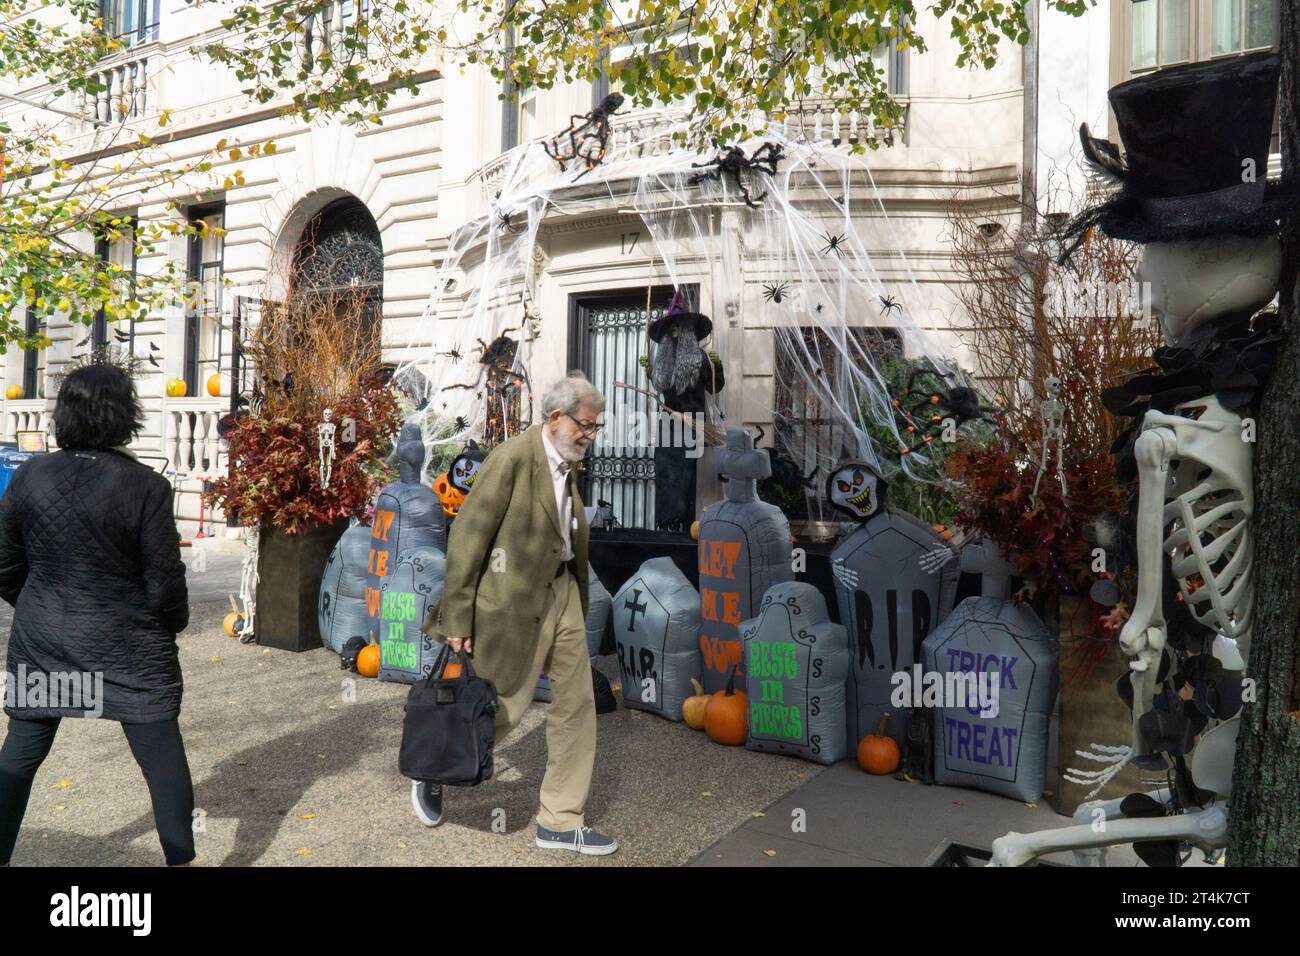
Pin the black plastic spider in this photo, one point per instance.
(834, 243)
(461, 423)
(586, 138)
(506, 220)
(454, 353)
(776, 291)
(732, 160)
(888, 304)
(961, 404)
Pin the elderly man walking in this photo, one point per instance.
(515, 596)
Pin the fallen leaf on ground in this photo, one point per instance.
(61, 806)
(1032, 806)
(304, 852)
(309, 816)
(769, 852)
(65, 783)
(707, 793)
(758, 813)
(215, 660)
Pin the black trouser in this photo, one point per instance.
(157, 748)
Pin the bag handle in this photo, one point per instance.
(440, 664)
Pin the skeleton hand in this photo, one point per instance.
(934, 560)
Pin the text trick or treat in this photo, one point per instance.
(744, 549)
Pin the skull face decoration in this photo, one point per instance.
(464, 467)
(855, 488)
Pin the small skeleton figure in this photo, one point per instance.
(1052, 414)
(325, 438)
(248, 579)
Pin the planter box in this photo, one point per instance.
(1091, 713)
(289, 568)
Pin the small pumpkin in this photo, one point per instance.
(693, 707)
(176, 388)
(14, 392)
(878, 753)
(233, 622)
(451, 670)
(368, 661)
(695, 531)
(214, 385)
(726, 716)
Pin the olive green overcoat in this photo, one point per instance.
(502, 555)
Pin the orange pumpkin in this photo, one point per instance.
(450, 496)
(693, 707)
(726, 716)
(878, 753)
(233, 623)
(451, 670)
(214, 385)
(368, 661)
(14, 392)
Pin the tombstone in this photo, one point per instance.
(656, 633)
(744, 549)
(341, 604)
(796, 669)
(600, 606)
(890, 603)
(408, 514)
(982, 556)
(406, 654)
(999, 741)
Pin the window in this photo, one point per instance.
(203, 296)
(34, 359)
(1164, 33)
(805, 431)
(116, 245)
(130, 21)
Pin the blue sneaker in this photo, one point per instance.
(584, 840)
(426, 798)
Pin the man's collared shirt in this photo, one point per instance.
(559, 471)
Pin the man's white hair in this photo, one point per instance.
(570, 392)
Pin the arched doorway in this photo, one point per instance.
(339, 261)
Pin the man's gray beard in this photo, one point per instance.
(569, 451)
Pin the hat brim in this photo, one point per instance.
(1123, 217)
(701, 323)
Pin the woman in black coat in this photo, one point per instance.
(90, 560)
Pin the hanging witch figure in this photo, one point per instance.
(684, 375)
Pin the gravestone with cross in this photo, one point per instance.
(341, 604)
(890, 599)
(744, 549)
(408, 514)
(600, 606)
(796, 666)
(656, 634)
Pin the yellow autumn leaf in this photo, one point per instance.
(309, 816)
(304, 852)
(65, 784)
(769, 853)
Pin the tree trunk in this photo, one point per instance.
(1264, 824)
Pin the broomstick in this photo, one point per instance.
(713, 434)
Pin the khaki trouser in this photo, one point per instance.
(570, 717)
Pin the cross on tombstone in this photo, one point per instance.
(632, 605)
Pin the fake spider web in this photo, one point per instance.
(833, 310)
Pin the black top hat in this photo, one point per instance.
(679, 311)
(1188, 134)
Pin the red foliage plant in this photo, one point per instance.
(1043, 538)
(273, 476)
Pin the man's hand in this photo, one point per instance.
(455, 643)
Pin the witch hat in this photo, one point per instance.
(1196, 144)
(680, 311)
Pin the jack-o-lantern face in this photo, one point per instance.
(854, 488)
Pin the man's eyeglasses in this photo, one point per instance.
(587, 428)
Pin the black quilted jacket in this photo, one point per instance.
(90, 560)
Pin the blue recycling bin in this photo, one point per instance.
(10, 459)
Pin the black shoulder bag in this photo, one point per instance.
(449, 729)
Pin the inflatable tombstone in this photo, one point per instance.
(341, 605)
(657, 633)
(889, 599)
(408, 514)
(998, 741)
(744, 549)
(600, 605)
(406, 653)
(796, 668)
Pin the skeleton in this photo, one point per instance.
(1195, 482)
(325, 439)
(248, 578)
(1052, 415)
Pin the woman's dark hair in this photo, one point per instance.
(97, 408)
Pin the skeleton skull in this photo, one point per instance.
(1195, 281)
